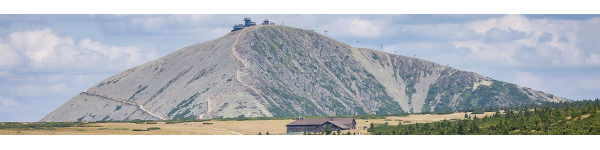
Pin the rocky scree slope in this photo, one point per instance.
(285, 71)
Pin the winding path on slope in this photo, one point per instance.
(235, 54)
(123, 101)
(237, 74)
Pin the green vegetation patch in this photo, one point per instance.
(41, 125)
(138, 91)
(546, 119)
(153, 128)
(140, 130)
(183, 104)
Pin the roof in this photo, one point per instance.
(344, 120)
(320, 121)
(339, 124)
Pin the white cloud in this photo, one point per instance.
(37, 67)
(480, 27)
(554, 42)
(514, 22)
(44, 51)
(594, 59)
(487, 53)
(9, 57)
(130, 55)
(357, 27)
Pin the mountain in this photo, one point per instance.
(284, 71)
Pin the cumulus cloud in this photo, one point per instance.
(506, 23)
(515, 40)
(10, 58)
(44, 51)
(516, 49)
(594, 59)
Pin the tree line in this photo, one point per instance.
(552, 118)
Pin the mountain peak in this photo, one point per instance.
(273, 70)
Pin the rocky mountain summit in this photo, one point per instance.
(269, 70)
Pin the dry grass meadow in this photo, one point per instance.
(250, 127)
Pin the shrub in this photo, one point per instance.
(153, 128)
(207, 123)
(478, 112)
(140, 130)
(151, 123)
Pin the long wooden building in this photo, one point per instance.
(319, 125)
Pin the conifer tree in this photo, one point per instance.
(461, 130)
(327, 130)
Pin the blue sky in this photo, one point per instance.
(47, 59)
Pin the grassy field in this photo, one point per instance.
(247, 127)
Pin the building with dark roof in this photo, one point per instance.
(319, 125)
(247, 23)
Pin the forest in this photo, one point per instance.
(564, 118)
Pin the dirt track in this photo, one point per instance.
(123, 101)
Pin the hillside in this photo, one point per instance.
(285, 71)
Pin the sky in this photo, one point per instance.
(47, 59)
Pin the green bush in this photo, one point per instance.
(477, 112)
(153, 128)
(140, 130)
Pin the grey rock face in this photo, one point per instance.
(285, 71)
